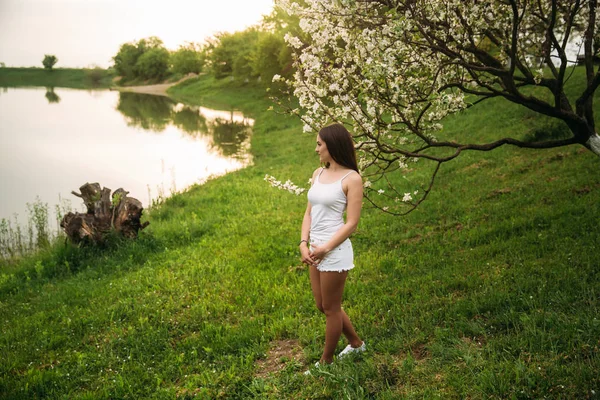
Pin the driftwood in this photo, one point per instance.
(104, 214)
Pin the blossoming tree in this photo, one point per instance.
(393, 69)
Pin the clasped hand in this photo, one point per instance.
(313, 258)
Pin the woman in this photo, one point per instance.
(324, 243)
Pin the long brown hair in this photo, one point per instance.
(340, 145)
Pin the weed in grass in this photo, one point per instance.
(60, 210)
(11, 240)
(39, 235)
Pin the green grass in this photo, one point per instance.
(78, 78)
(489, 290)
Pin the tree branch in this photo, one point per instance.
(518, 143)
(587, 93)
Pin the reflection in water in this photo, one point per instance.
(229, 132)
(151, 113)
(190, 121)
(229, 136)
(51, 96)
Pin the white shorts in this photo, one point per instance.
(339, 259)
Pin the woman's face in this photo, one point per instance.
(322, 151)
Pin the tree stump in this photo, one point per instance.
(119, 213)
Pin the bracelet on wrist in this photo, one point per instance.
(303, 240)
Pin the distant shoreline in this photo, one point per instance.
(157, 89)
(77, 78)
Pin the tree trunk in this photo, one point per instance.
(121, 214)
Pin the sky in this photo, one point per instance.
(83, 33)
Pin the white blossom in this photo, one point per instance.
(288, 185)
(293, 41)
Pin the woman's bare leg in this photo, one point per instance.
(349, 331)
(332, 289)
(315, 285)
(347, 328)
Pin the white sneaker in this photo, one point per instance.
(349, 350)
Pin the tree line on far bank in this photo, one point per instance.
(258, 53)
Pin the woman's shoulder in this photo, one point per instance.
(352, 176)
(314, 175)
(352, 179)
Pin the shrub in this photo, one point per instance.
(95, 75)
(130, 65)
(187, 59)
(49, 61)
(154, 63)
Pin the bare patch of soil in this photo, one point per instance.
(280, 353)
(499, 192)
(477, 165)
(582, 190)
(419, 352)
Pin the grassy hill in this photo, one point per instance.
(489, 290)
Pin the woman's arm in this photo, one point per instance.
(354, 197)
(305, 231)
(305, 254)
(307, 257)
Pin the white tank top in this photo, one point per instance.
(328, 203)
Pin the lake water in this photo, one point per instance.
(52, 141)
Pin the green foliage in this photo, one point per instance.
(244, 55)
(255, 52)
(280, 23)
(231, 53)
(270, 56)
(126, 59)
(145, 59)
(154, 63)
(187, 59)
(244, 44)
(49, 61)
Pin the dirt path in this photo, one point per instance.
(157, 90)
